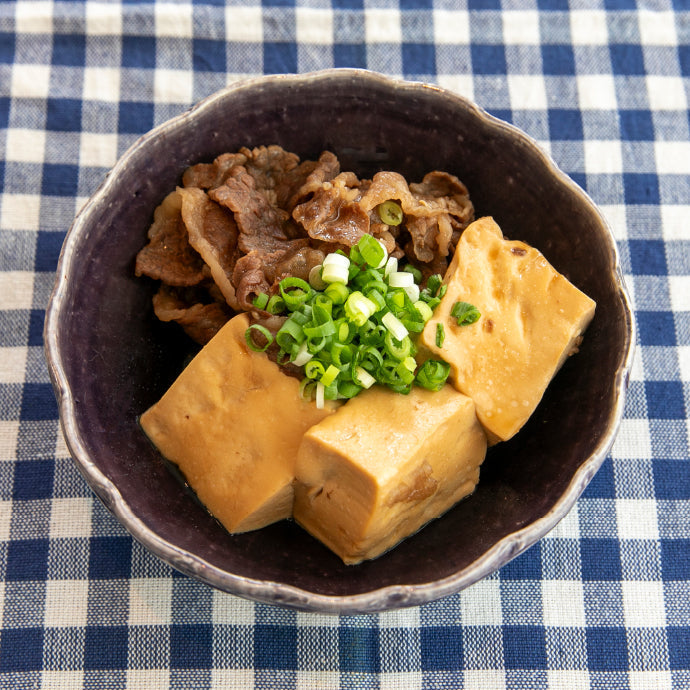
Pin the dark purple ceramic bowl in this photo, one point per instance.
(110, 359)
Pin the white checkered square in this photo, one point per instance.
(70, 518)
(679, 288)
(674, 221)
(19, 211)
(25, 145)
(650, 680)
(17, 289)
(150, 601)
(672, 157)
(173, 86)
(462, 84)
(657, 28)
(5, 520)
(244, 24)
(231, 610)
(382, 26)
(637, 518)
(409, 680)
(633, 440)
(33, 17)
(603, 157)
(596, 92)
(103, 19)
(527, 92)
(402, 618)
(101, 84)
(643, 604)
(98, 150)
(232, 679)
(451, 27)
(666, 93)
(173, 20)
(61, 680)
(12, 365)
(615, 216)
(9, 431)
(481, 603)
(568, 679)
(61, 449)
(148, 679)
(66, 603)
(314, 26)
(484, 679)
(30, 81)
(684, 362)
(563, 603)
(520, 27)
(588, 27)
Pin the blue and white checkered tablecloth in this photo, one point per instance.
(603, 601)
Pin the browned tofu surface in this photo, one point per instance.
(384, 465)
(233, 422)
(532, 319)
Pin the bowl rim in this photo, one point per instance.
(279, 593)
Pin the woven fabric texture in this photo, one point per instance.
(603, 601)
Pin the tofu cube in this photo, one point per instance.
(232, 422)
(384, 465)
(532, 319)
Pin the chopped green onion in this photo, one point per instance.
(465, 313)
(337, 293)
(359, 308)
(424, 310)
(363, 377)
(302, 356)
(372, 251)
(315, 279)
(400, 279)
(353, 324)
(433, 374)
(433, 284)
(260, 301)
(440, 334)
(409, 268)
(335, 269)
(249, 337)
(391, 266)
(314, 369)
(394, 325)
(276, 305)
(294, 291)
(330, 375)
(390, 213)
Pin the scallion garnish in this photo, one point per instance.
(249, 337)
(465, 313)
(354, 324)
(390, 213)
(433, 374)
(440, 334)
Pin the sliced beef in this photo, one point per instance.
(213, 233)
(201, 320)
(168, 256)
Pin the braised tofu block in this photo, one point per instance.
(532, 319)
(384, 465)
(232, 422)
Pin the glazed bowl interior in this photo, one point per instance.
(110, 359)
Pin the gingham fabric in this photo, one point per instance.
(603, 601)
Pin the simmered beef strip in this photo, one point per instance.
(213, 233)
(252, 217)
(200, 320)
(168, 256)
